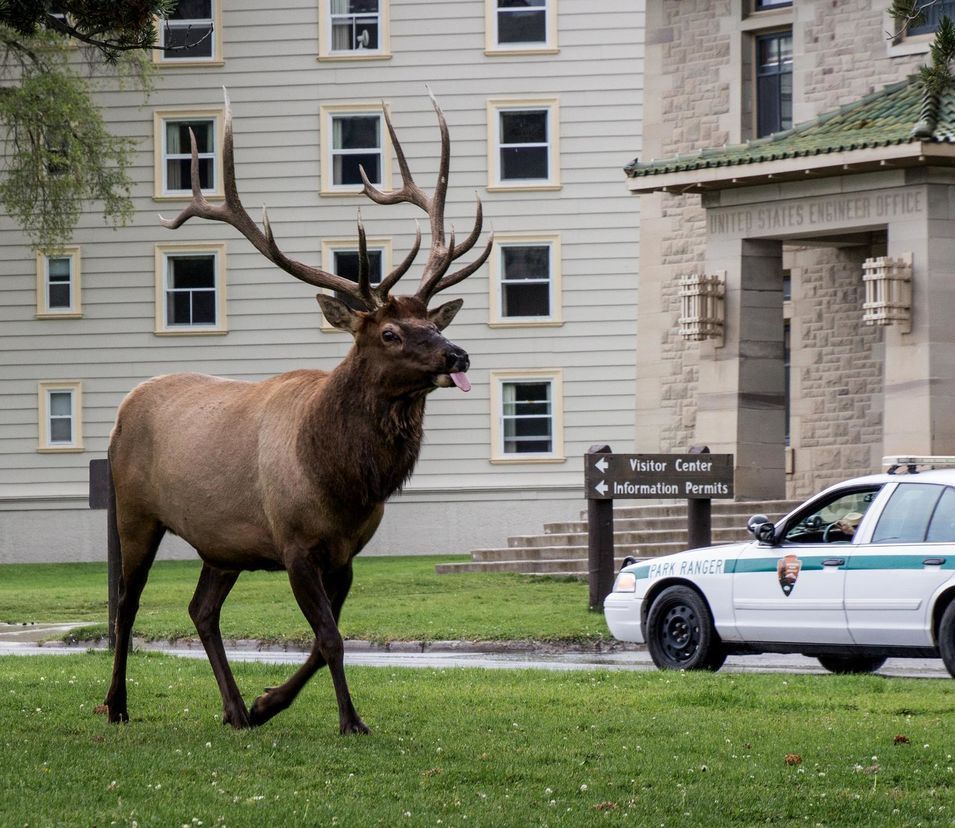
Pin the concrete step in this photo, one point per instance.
(640, 530)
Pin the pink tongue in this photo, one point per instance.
(460, 379)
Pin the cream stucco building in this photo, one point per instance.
(544, 106)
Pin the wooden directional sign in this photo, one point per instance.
(612, 476)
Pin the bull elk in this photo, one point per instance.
(290, 473)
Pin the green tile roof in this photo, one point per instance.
(898, 114)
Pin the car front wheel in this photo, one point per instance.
(946, 638)
(680, 632)
(845, 665)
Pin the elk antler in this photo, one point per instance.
(432, 280)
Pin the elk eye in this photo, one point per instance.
(389, 336)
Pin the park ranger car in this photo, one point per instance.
(860, 572)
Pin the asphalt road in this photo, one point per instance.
(22, 640)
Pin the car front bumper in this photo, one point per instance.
(622, 612)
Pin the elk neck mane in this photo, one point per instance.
(378, 437)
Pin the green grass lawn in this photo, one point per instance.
(470, 747)
(391, 599)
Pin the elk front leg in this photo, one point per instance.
(204, 609)
(321, 599)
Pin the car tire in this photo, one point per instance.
(849, 664)
(946, 638)
(680, 632)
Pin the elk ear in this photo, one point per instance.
(337, 313)
(444, 314)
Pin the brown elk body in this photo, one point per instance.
(290, 473)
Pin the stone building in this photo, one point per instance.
(791, 162)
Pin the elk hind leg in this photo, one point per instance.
(204, 609)
(321, 598)
(138, 545)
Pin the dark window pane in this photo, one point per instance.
(522, 27)
(193, 272)
(346, 168)
(59, 295)
(179, 174)
(934, 12)
(192, 9)
(529, 162)
(177, 136)
(346, 264)
(203, 307)
(906, 515)
(185, 42)
(357, 132)
(526, 300)
(524, 127)
(531, 262)
(59, 268)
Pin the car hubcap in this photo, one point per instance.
(680, 633)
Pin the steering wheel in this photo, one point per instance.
(832, 526)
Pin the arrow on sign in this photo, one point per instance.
(601, 487)
(603, 465)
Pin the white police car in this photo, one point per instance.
(860, 572)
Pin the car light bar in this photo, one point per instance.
(912, 462)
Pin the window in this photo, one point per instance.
(905, 517)
(190, 289)
(527, 416)
(774, 83)
(190, 34)
(59, 416)
(58, 284)
(525, 280)
(353, 137)
(521, 25)
(341, 256)
(820, 522)
(933, 13)
(762, 5)
(523, 151)
(173, 174)
(353, 29)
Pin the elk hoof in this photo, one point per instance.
(118, 717)
(239, 719)
(356, 726)
(262, 710)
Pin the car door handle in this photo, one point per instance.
(834, 562)
(933, 561)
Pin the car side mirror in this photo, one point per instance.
(753, 524)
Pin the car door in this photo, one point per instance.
(893, 573)
(793, 592)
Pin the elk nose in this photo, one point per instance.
(457, 359)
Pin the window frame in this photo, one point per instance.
(497, 281)
(757, 38)
(160, 57)
(350, 245)
(160, 119)
(46, 444)
(498, 379)
(43, 309)
(493, 47)
(327, 116)
(163, 252)
(495, 108)
(325, 50)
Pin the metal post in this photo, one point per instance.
(699, 520)
(103, 496)
(599, 543)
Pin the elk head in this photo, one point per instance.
(397, 333)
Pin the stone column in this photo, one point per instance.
(741, 401)
(920, 366)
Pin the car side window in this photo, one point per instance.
(834, 521)
(942, 527)
(906, 516)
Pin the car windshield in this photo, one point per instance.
(834, 520)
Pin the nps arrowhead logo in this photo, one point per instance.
(788, 571)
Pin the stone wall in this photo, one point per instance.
(696, 52)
